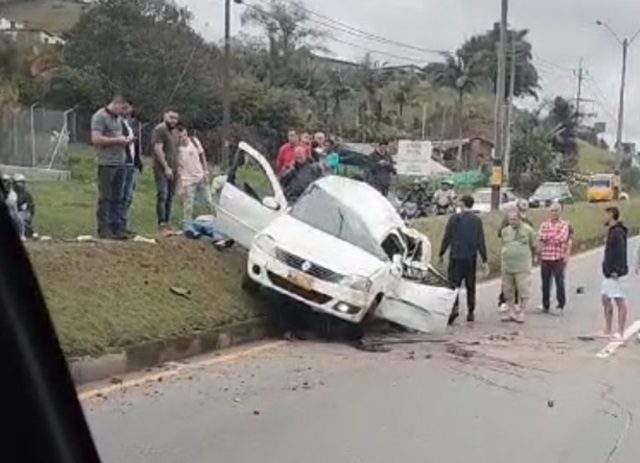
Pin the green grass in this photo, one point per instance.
(594, 160)
(68, 209)
(51, 15)
(104, 296)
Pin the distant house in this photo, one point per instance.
(476, 153)
(334, 64)
(28, 36)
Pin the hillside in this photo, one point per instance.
(52, 15)
(594, 160)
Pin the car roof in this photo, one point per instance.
(374, 209)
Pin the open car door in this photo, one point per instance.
(251, 197)
(418, 306)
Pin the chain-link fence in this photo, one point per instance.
(36, 136)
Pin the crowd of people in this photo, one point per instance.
(522, 247)
(179, 167)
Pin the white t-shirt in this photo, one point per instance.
(190, 168)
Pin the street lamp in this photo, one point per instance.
(625, 43)
(33, 133)
(226, 85)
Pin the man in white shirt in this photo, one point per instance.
(193, 173)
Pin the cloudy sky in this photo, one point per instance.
(562, 32)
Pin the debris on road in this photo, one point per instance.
(237, 400)
(586, 337)
(459, 351)
(256, 412)
(115, 380)
(411, 355)
(550, 403)
(428, 356)
(186, 293)
(580, 290)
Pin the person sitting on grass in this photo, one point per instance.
(26, 207)
(11, 200)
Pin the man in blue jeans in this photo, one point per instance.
(165, 166)
(110, 143)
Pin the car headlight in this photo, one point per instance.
(266, 244)
(357, 282)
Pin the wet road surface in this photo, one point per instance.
(493, 393)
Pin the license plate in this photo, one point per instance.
(301, 280)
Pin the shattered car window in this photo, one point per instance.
(251, 178)
(320, 210)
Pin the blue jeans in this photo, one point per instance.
(165, 190)
(24, 223)
(129, 186)
(110, 200)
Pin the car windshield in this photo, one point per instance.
(600, 183)
(320, 210)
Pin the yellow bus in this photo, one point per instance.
(602, 187)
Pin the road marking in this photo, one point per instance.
(176, 369)
(613, 346)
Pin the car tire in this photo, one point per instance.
(249, 285)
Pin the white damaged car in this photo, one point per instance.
(341, 248)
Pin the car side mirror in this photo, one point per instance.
(271, 203)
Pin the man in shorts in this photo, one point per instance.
(614, 268)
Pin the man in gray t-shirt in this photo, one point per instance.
(110, 142)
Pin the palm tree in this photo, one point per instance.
(372, 79)
(404, 92)
(457, 74)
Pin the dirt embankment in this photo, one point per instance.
(106, 295)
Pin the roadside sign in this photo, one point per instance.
(414, 158)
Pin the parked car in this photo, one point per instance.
(341, 248)
(549, 192)
(482, 200)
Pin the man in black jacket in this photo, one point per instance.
(465, 236)
(614, 267)
(381, 168)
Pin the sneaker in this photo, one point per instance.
(506, 317)
(503, 308)
(616, 337)
(518, 318)
(602, 334)
(471, 317)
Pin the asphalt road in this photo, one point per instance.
(495, 393)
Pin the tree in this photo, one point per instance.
(562, 123)
(403, 92)
(371, 78)
(458, 75)
(283, 25)
(147, 49)
(481, 52)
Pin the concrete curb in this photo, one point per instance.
(155, 353)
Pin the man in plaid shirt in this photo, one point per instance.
(555, 238)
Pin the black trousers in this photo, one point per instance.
(552, 269)
(463, 270)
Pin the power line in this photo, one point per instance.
(377, 52)
(335, 24)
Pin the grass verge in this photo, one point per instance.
(105, 296)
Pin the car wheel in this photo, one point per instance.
(249, 285)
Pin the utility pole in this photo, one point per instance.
(579, 94)
(623, 81)
(226, 84)
(509, 121)
(424, 121)
(625, 43)
(496, 178)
